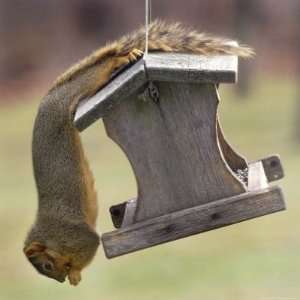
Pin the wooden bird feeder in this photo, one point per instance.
(162, 111)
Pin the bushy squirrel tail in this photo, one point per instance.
(174, 37)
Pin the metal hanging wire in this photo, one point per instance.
(148, 16)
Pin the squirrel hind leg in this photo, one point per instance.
(128, 58)
(110, 68)
(135, 54)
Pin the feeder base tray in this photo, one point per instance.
(193, 220)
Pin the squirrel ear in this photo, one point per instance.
(34, 248)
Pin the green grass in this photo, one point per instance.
(258, 259)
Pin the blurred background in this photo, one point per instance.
(258, 259)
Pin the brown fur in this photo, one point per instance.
(63, 240)
(173, 37)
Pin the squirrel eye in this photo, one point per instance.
(68, 266)
(48, 266)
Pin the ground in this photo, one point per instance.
(258, 259)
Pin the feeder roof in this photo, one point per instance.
(169, 67)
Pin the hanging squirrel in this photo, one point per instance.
(63, 239)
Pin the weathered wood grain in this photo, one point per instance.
(235, 160)
(273, 168)
(162, 112)
(272, 171)
(257, 179)
(192, 221)
(155, 67)
(178, 67)
(172, 147)
(125, 84)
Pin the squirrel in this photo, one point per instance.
(63, 240)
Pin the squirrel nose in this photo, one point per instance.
(61, 279)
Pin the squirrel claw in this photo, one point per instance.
(135, 54)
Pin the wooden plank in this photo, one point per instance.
(172, 147)
(124, 85)
(192, 221)
(130, 211)
(235, 160)
(160, 67)
(257, 179)
(273, 168)
(178, 67)
(123, 214)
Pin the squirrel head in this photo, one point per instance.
(58, 248)
(51, 263)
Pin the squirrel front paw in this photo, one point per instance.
(74, 277)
